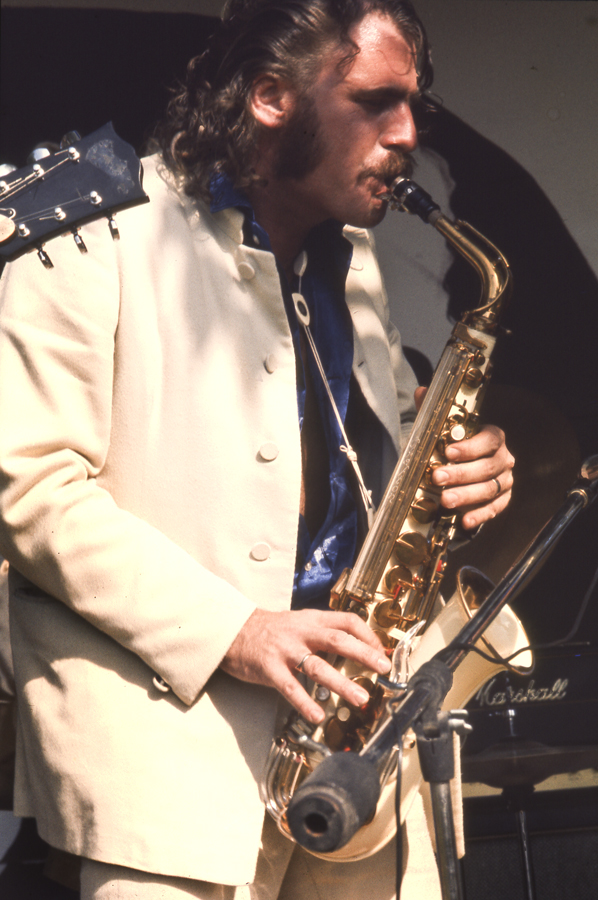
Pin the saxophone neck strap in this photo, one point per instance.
(303, 317)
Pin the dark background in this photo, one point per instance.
(65, 69)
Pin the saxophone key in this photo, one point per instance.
(359, 610)
(424, 510)
(411, 548)
(322, 694)
(474, 377)
(458, 432)
(388, 613)
(427, 479)
(338, 598)
(397, 580)
(387, 640)
(348, 728)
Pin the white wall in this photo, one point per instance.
(524, 73)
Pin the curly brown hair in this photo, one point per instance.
(209, 128)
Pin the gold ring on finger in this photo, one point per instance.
(300, 665)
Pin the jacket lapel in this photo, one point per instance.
(372, 362)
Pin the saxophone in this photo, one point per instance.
(394, 584)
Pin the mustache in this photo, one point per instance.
(398, 164)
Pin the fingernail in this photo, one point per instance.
(452, 452)
(441, 476)
(449, 499)
(362, 697)
(383, 664)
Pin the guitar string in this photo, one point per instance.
(15, 187)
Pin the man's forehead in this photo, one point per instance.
(378, 52)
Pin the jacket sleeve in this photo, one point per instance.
(405, 381)
(59, 527)
(404, 377)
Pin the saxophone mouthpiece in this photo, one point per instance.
(410, 197)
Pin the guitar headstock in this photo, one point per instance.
(93, 177)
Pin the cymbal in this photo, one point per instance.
(512, 763)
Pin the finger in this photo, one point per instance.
(478, 476)
(270, 646)
(487, 442)
(352, 624)
(322, 673)
(475, 517)
(476, 495)
(478, 471)
(340, 643)
(342, 635)
(419, 396)
(345, 634)
(293, 691)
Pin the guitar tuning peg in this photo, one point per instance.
(41, 151)
(71, 137)
(7, 228)
(43, 256)
(37, 154)
(113, 228)
(79, 240)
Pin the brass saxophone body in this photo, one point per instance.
(395, 582)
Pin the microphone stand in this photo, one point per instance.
(339, 796)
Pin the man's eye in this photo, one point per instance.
(374, 104)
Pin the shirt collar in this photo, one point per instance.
(225, 195)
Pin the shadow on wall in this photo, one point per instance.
(554, 312)
(544, 389)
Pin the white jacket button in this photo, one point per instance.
(260, 551)
(161, 684)
(246, 271)
(271, 363)
(268, 451)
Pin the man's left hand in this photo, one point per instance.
(479, 477)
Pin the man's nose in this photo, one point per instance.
(400, 130)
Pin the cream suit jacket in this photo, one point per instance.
(138, 383)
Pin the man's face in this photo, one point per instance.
(353, 131)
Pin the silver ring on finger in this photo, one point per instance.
(498, 487)
(300, 665)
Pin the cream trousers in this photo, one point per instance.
(286, 872)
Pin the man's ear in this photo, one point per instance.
(271, 100)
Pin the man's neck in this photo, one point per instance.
(279, 210)
(286, 233)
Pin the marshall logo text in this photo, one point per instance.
(486, 696)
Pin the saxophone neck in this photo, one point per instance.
(490, 264)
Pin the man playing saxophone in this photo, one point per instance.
(176, 505)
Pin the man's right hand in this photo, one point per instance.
(271, 644)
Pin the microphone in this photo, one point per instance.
(334, 802)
